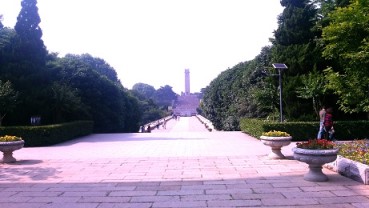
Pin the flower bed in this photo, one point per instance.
(357, 150)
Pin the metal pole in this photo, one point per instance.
(280, 95)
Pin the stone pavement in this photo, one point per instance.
(181, 166)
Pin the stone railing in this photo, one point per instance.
(208, 124)
(154, 124)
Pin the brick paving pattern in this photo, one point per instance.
(183, 165)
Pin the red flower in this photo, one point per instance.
(316, 144)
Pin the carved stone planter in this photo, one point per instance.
(315, 159)
(7, 148)
(276, 144)
(351, 169)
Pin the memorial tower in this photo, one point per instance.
(187, 82)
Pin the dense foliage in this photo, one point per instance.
(347, 43)
(325, 46)
(36, 83)
(324, 43)
(153, 103)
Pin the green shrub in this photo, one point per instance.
(35, 136)
(302, 131)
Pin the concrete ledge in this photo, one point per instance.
(351, 169)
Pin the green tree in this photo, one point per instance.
(245, 90)
(147, 109)
(295, 23)
(8, 99)
(100, 66)
(313, 88)
(145, 90)
(164, 96)
(347, 43)
(66, 103)
(31, 46)
(106, 102)
(296, 43)
(7, 37)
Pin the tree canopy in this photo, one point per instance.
(31, 47)
(347, 43)
(59, 89)
(325, 46)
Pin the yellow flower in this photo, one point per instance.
(8, 138)
(275, 133)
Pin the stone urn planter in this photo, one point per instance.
(276, 143)
(315, 158)
(8, 147)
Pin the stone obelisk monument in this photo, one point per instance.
(187, 82)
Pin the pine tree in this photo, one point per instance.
(31, 46)
(295, 45)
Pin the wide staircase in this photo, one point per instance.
(186, 105)
(182, 124)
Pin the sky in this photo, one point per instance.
(154, 41)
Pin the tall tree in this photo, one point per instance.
(106, 102)
(100, 66)
(295, 44)
(165, 96)
(146, 90)
(347, 42)
(31, 46)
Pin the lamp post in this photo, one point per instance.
(280, 67)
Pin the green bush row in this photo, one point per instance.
(301, 131)
(36, 136)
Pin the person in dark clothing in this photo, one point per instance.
(328, 124)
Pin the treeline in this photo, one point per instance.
(37, 83)
(154, 103)
(325, 45)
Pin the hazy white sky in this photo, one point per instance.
(154, 41)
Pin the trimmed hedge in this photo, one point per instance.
(301, 131)
(36, 136)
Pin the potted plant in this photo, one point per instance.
(315, 152)
(8, 144)
(276, 140)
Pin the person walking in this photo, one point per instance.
(321, 118)
(328, 124)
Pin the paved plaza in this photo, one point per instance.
(183, 165)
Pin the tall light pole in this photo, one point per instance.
(280, 67)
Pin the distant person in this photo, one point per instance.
(328, 124)
(321, 118)
(164, 124)
(148, 129)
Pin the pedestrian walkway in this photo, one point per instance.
(182, 124)
(168, 168)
